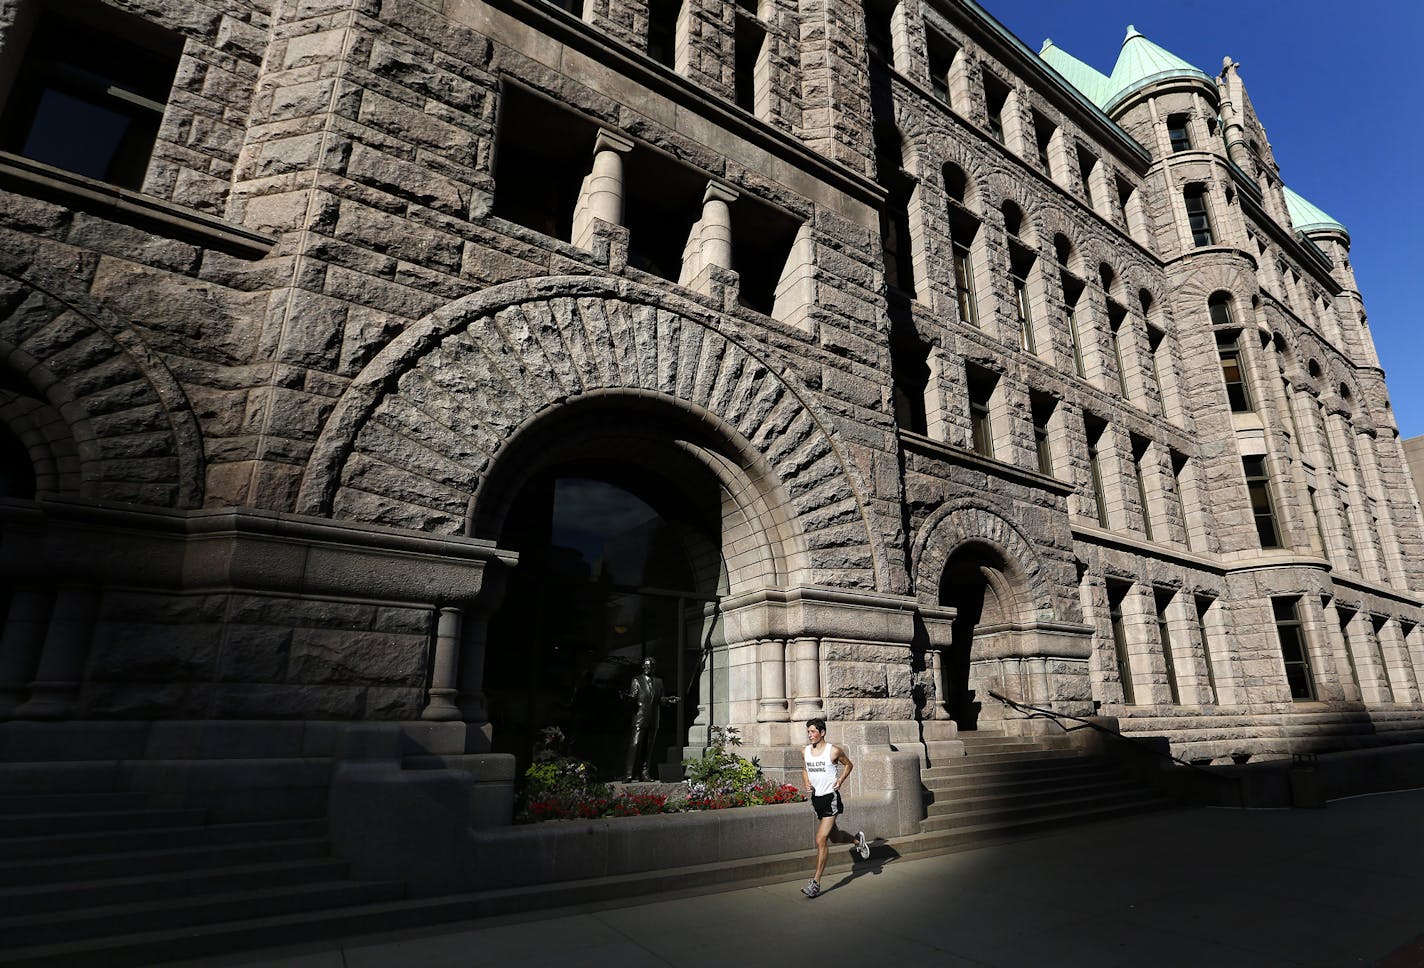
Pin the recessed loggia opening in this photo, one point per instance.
(541, 157)
(762, 239)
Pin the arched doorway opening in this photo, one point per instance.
(976, 583)
(616, 566)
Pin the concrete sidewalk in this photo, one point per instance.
(1205, 887)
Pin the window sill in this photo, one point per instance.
(32, 178)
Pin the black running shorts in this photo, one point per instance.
(829, 805)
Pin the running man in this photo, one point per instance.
(826, 767)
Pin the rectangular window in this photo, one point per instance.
(1086, 163)
(1042, 407)
(1345, 616)
(1197, 215)
(662, 30)
(1156, 347)
(1072, 290)
(1139, 455)
(1293, 651)
(747, 43)
(1178, 133)
(878, 38)
(964, 284)
(1020, 265)
(941, 58)
(1094, 432)
(1043, 138)
(89, 97)
(1116, 316)
(1229, 351)
(895, 233)
(1164, 635)
(1124, 197)
(995, 95)
(981, 393)
(1203, 605)
(1315, 516)
(1116, 594)
(1258, 484)
(1179, 473)
(910, 373)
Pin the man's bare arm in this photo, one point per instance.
(846, 765)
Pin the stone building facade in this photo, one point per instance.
(438, 360)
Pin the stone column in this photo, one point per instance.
(806, 664)
(55, 690)
(1396, 658)
(601, 197)
(716, 240)
(1346, 676)
(771, 667)
(26, 622)
(441, 704)
(471, 664)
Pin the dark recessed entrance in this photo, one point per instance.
(615, 567)
(971, 583)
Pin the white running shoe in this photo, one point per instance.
(812, 889)
(862, 848)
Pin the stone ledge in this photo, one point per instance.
(29, 177)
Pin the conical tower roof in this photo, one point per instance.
(1307, 218)
(1093, 84)
(1140, 63)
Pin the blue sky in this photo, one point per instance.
(1335, 86)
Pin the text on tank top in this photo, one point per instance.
(821, 770)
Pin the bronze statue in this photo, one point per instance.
(646, 693)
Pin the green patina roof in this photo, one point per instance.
(1093, 84)
(1307, 218)
(1139, 63)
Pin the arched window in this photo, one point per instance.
(1013, 218)
(1219, 306)
(1062, 250)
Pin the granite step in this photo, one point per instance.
(112, 921)
(992, 783)
(945, 805)
(1020, 765)
(1017, 808)
(102, 891)
(105, 842)
(36, 824)
(53, 870)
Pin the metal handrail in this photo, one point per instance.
(1037, 712)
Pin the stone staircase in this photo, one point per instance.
(1007, 785)
(96, 876)
(1227, 737)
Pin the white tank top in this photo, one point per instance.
(821, 769)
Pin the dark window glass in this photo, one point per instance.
(1197, 216)
(1116, 594)
(1086, 163)
(995, 95)
(662, 30)
(1231, 373)
(964, 284)
(877, 30)
(1116, 317)
(1262, 505)
(1096, 472)
(89, 100)
(748, 42)
(1043, 138)
(909, 365)
(1164, 635)
(1203, 605)
(1040, 442)
(1020, 264)
(1139, 454)
(1292, 638)
(941, 57)
(981, 391)
(1177, 133)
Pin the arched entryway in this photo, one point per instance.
(616, 566)
(978, 583)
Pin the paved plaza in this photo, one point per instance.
(1205, 887)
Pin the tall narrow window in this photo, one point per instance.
(1086, 163)
(1179, 473)
(1203, 605)
(1198, 218)
(895, 215)
(1072, 291)
(1020, 265)
(941, 61)
(1315, 517)
(878, 38)
(1116, 318)
(88, 98)
(964, 280)
(1344, 617)
(1229, 351)
(1116, 594)
(1094, 431)
(1163, 601)
(747, 41)
(981, 393)
(1293, 651)
(1124, 198)
(1139, 456)
(1043, 139)
(1156, 349)
(910, 373)
(1258, 484)
(1177, 133)
(995, 96)
(1042, 407)
(662, 30)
